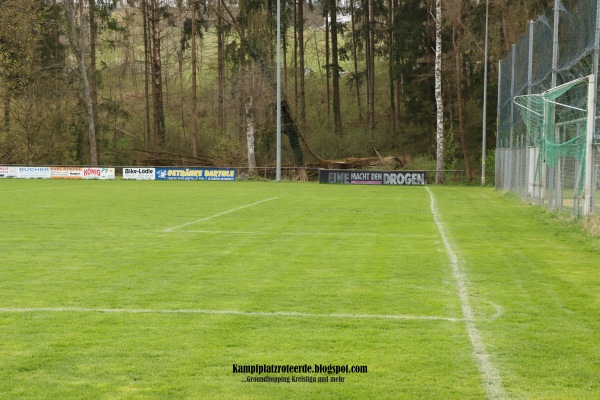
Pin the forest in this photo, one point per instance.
(192, 82)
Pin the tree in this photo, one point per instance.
(335, 69)
(19, 27)
(289, 126)
(221, 42)
(194, 82)
(157, 83)
(356, 77)
(327, 62)
(92, 77)
(439, 176)
(147, 70)
(392, 61)
(369, 42)
(248, 107)
(78, 40)
(302, 66)
(456, 22)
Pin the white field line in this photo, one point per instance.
(302, 233)
(491, 377)
(224, 312)
(218, 214)
(37, 189)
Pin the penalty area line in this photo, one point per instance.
(217, 215)
(492, 380)
(290, 233)
(224, 312)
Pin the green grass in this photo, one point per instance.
(314, 249)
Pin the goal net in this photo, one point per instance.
(557, 123)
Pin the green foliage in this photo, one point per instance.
(186, 37)
(420, 162)
(229, 151)
(120, 77)
(451, 150)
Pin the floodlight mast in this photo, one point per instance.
(278, 162)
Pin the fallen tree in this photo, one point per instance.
(288, 124)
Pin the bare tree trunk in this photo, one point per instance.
(337, 116)
(505, 34)
(248, 107)
(457, 44)
(399, 92)
(398, 81)
(439, 177)
(391, 65)
(284, 44)
(295, 56)
(81, 40)
(92, 76)
(179, 51)
(221, 67)
(6, 121)
(355, 61)
(367, 44)
(302, 64)
(328, 67)
(159, 116)
(370, 62)
(148, 136)
(194, 84)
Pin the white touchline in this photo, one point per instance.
(491, 377)
(218, 214)
(224, 312)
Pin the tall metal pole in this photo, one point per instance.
(485, 77)
(278, 166)
(589, 149)
(591, 127)
(528, 169)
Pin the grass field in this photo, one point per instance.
(157, 290)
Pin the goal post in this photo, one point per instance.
(560, 124)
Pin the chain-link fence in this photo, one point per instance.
(562, 45)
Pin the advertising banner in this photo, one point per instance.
(195, 174)
(355, 177)
(139, 173)
(66, 172)
(8, 172)
(98, 173)
(33, 172)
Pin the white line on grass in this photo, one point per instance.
(225, 312)
(218, 214)
(37, 189)
(491, 377)
(302, 233)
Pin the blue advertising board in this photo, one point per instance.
(195, 174)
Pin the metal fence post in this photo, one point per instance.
(589, 149)
(512, 116)
(529, 84)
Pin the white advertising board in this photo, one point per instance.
(8, 172)
(99, 173)
(33, 172)
(139, 173)
(66, 172)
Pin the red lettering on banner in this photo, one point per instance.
(91, 171)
